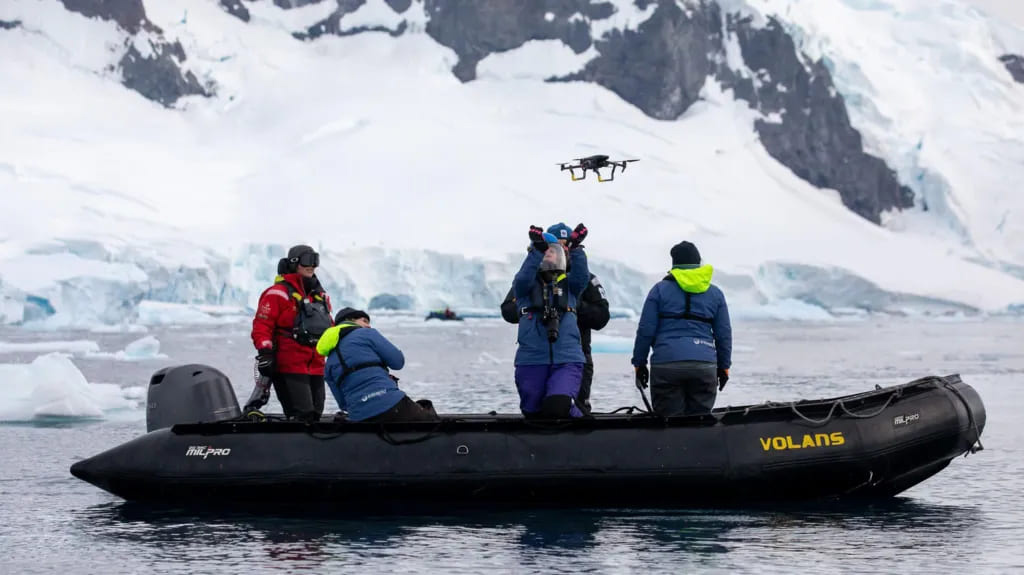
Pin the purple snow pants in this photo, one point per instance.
(535, 382)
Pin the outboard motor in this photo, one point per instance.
(191, 393)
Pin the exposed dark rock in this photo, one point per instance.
(662, 66)
(332, 24)
(811, 134)
(288, 4)
(236, 9)
(476, 28)
(1015, 64)
(159, 77)
(399, 6)
(129, 14)
(9, 25)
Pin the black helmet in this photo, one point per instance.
(302, 255)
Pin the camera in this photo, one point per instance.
(551, 322)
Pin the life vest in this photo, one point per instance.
(559, 298)
(312, 318)
(686, 313)
(344, 330)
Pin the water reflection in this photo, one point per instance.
(314, 538)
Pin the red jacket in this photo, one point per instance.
(272, 328)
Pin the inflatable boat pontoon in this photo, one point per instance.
(869, 445)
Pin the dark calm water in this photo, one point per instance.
(969, 518)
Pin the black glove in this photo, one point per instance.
(265, 362)
(642, 377)
(723, 377)
(537, 239)
(578, 235)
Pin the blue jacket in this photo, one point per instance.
(680, 339)
(366, 392)
(534, 347)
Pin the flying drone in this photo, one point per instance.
(594, 163)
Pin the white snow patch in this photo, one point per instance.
(534, 60)
(627, 16)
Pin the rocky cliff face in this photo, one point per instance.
(660, 67)
(157, 75)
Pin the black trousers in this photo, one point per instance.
(407, 410)
(583, 397)
(301, 395)
(684, 387)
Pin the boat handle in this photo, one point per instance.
(462, 450)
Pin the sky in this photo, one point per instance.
(1011, 10)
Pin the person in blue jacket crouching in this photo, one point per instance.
(358, 360)
(549, 358)
(686, 320)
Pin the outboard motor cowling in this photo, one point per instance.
(191, 393)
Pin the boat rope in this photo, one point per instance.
(976, 445)
(630, 409)
(842, 405)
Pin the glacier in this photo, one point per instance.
(416, 186)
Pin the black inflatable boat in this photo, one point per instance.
(870, 445)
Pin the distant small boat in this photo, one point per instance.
(443, 315)
(866, 446)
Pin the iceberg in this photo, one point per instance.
(52, 387)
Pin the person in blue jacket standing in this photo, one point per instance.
(358, 360)
(549, 358)
(686, 320)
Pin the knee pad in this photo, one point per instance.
(556, 406)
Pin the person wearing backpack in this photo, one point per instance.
(291, 316)
(686, 320)
(358, 360)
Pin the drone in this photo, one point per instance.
(594, 163)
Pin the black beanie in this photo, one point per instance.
(298, 250)
(349, 314)
(685, 253)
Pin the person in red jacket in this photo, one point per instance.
(291, 316)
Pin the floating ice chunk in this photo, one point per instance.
(141, 349)
(144, 348)
(51, 386)
(610, 344)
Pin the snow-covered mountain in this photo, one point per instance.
(827, 156)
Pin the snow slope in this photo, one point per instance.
(925, 87)
(410, 182)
